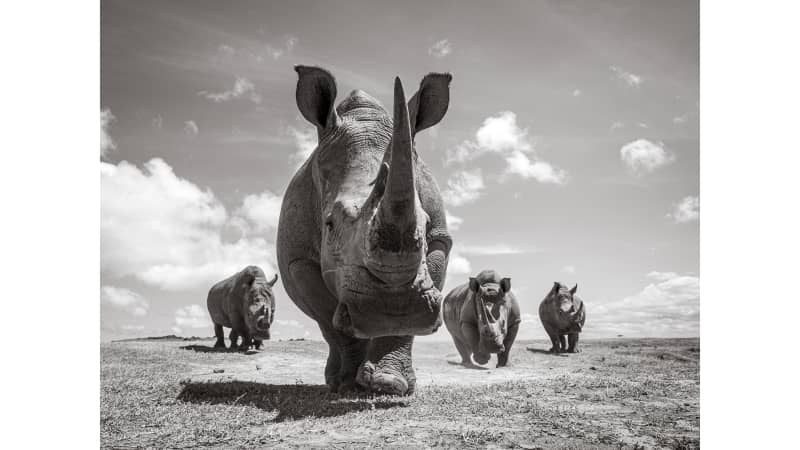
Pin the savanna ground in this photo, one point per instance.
(620, 393)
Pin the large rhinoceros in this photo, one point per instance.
(243, 302)
(483, 317)
(362, 237)
(562, 314)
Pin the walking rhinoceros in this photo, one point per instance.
(362, 237)
(483, 317)
(562, 313)
(244, 303)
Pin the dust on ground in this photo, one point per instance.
(629, 393)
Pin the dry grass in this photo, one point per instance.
(617, 394)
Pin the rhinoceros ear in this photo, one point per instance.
(428, 106)
(556, 287)
(316, 93)
(473, 284)
(574, 289)
(505, 284)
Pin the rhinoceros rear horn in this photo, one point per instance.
(428, 106)
(273, 281)
(315, 95)
(505, 284)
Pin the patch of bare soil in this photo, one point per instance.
(615, 394)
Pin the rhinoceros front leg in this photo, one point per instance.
(554, 339)
(573, 343)
(511, 335)
(346, 354)
(387, 368)
(220, 334)
(562, 341)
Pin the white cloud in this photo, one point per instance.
(289, 44)
(568, 269)
(576, 93)
(192, 316)
(687, 210)
(494, 249)
(616, 125)
(543, 172)
(642, 125)
(167, 232)
(661, 276)
(287, 323)
(191, 128)
(261, 211)
(440, 49)
(453, 222)
(463, 187)
(668, 307)
(242, 87)
(644, 156)
(129, 327)
(125, 299)
(158, 122)
(501, 134)
(227, 49)
(457, 264)
(106, 143)
(305, 141)
(630, 78)
(680, 120)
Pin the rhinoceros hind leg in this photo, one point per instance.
(246, 343)
(573, 343)
(257, 343)
(387, 368)
(220, 334)
(234, 337)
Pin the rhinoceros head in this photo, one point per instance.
(258, 302)
(372, 224)
(563, 300)
(489, 290)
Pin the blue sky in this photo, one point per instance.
(569, 152)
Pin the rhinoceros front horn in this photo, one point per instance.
(397, 206)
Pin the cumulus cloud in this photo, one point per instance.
(642, 156)
(192, 316)
(631, 79)
(576, 93)
(191, 128)
(500, 134)
(568, 269)
(457, 264)
(667, 307)
(440, 49)
(289, 43)
(687, 210)
(158, 122)
(125, 299)
(305, 141)
(242, 87)
(453, 222)
(680, 120)
(616, 125)
(463, 187)
(167, 232)
(106, 143)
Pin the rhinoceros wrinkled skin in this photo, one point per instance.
(362, 236)
(243, 302)
(563, 314)
(483, 317)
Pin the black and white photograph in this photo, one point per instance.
(424, 224)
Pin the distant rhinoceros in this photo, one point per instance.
(244, 303)
(362, 237)
(562, 313)
(483, 317)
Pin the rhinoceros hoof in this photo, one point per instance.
(378, 380)
(574, 350)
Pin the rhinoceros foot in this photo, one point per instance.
(387, 367)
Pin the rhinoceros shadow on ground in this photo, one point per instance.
(291, 401)
(208, 349)
(467, 366)
(546, 352)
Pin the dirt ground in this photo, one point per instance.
(621, 393)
